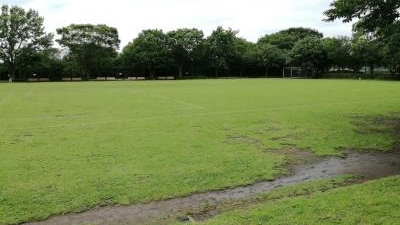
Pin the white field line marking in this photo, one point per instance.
(191, 105)
(193, 115)
(7, 97)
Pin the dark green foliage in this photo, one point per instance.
(243, 58)
(301, 32)
(276, 50)
(310, 55)
(92, 49)
(149, 50)
(338, 52)
(21, 34)
(183, 44)
(368, 50)
(45, 64)
(220, 47)
(92, 46)
(270, 56)
(391, 49)
(373, 15)
(379, 21)
(286, 39)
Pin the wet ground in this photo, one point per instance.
(370, 166)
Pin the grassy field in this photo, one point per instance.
(376, 202)
(71, 146)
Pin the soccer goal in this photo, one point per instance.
(291, 72)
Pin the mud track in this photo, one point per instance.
(370, 166)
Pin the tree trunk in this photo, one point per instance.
(152, 72)
(180, 68)
(266, 71)
(371, 69)
(12, 70)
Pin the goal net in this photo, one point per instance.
(291, 72)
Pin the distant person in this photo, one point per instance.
(9, 78)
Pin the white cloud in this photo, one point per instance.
(253, 18)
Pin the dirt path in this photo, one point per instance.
(373, 165)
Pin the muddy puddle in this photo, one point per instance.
(370, 166)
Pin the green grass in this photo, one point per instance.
(71, 146)
(309, 187)
(305, 188)
(376, 202)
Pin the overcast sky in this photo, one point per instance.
(253, 18)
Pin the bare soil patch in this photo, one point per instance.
(370, 166)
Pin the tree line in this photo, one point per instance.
(89, 51)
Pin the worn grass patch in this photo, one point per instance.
(72, 146)
(375, 202)
(207, 210)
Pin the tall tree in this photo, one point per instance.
(183, 43)
(21, 33)
(243, 55)
(368, 49)
(149, 50)
(373, 15)
(391, 51)
(91, 45)
(301, 32)
(46, 63)
(338, 51)
(269, 56)
(220, 47)
(286, 39)
(379, 18)
(310, 54)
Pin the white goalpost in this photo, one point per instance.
(291, 72)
